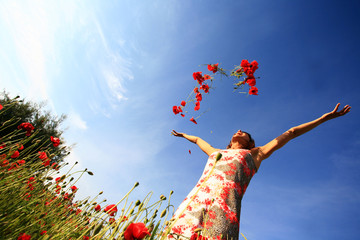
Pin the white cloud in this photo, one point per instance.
(76, 121)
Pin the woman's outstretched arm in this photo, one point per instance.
(266, 150)
(207, 148)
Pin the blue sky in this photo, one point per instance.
(116, 68)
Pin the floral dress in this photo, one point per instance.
(214, 204)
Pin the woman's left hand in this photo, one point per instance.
(334, 113)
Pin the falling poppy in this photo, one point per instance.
(193, 120)
(253, 91)
(213, 67)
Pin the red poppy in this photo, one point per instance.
(43, 232)
(5, 163)
(46, 162)
(251, 81)
(24, 236)
(124, 218)
(86, 237)
(197, 76)
(189, 151)
(21, 147)
(213, 67)
(136, 231)
(97, 208)
(193, 120)
(1, 106)
(2, 145)
(198, 97)
(196, 90)
(20, 162)
(195, 236)
(182, 115)
(28, 127)
(205, 87)
(197, 106)
(42, 155)
(73, 188)
(177, 109)
(253, 91)
(55, 141)
(183, 103)
(15, 154)
(111, 209)
(57, 179)
(245, 63)
(207, 77)
(111, 220)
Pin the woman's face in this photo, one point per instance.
(241, 137)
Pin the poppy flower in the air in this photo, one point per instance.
(205, 87)
(253, 91)
(193, 120)
(198, 76)
(55, 141)
(197, 106)
(136, 231)
(251, 81)
(177, 109)
(111, 209)
(213, 67)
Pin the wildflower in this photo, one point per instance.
(86, 237)
(43, 232)
(197, 76)
(5, 163)
(21, 147)
(1, 106)
(73, 188)
(15, 154)
(177, 109)
(136, 231)
(112, 220)
(253, 91)
(97, 208)
(207, 77)
(111, 209)
(213, 67)
(205, 87)
(251, 81)
(195, 236)
(189, 151)
(182, 115)
(55, 141)
(28, 127)
(24, 236)
(196, 90)
(197, 106)
(42, 155)
(2, 145)
(193, 120)
(20, 162)
(198, 97)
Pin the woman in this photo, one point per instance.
(213, 207)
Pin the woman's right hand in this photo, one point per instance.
(176, 134)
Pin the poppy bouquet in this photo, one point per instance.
(244, 75)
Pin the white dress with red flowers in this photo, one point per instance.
(214, 204)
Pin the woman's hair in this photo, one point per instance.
(250, 145)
